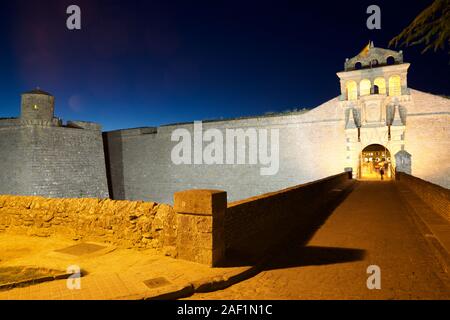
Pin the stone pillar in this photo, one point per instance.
(397, 121)
(200, 225)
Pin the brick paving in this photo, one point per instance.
(111, 274)
(372, 226)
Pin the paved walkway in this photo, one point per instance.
(374, 225)
(110, 273)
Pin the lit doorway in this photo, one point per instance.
(375, 159)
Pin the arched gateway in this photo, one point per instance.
(375, 158)
(375, 117)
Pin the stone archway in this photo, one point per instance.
(373, 159)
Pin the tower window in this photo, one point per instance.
(381, 84)
(395, 86)
(352, 90)
(376, 90)
(364, 87)
(358, 65)
(35, 107)
(390, 61)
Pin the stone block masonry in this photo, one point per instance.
(141, 168)
(437, 197)
(256, 225)
(57, 162)
(200, 225)
(211, 232)
(312, 145)
(137, 224)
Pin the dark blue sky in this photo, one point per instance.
(143, 63)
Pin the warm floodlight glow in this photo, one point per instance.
(395, 86)
(364, 87)
(352, 92)
(381, 83)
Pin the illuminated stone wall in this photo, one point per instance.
(312, 146)
(427, 137)
(255, 225)
(122, 223)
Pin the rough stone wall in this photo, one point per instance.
(312, 146)
(122, 223)
(255, 225)
(52, 161)
(437, 197)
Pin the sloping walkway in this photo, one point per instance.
(372, 226)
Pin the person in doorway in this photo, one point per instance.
(382, 173)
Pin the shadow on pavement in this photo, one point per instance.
(297, 238)
(315, 256)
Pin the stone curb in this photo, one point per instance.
(208, 284)
(23, 283)
(225, 281)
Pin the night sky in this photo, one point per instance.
(147, 63)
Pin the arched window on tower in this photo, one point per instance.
(395, 88)
(381, 83)
(352, 90)
(358, 66)
(390, 60)
(364, 87)
(375, 89)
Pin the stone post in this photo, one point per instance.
(200, 225)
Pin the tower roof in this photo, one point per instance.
(37, 91)
(371, 57)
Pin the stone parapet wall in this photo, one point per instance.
(122, 223)
(9, 122)
(254, 225)
(84, 125)
(212, 232)
(437, 197)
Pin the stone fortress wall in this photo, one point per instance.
(313, 145)
(427, 138)
(40, 156)
(376, 107)
(141, 165)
